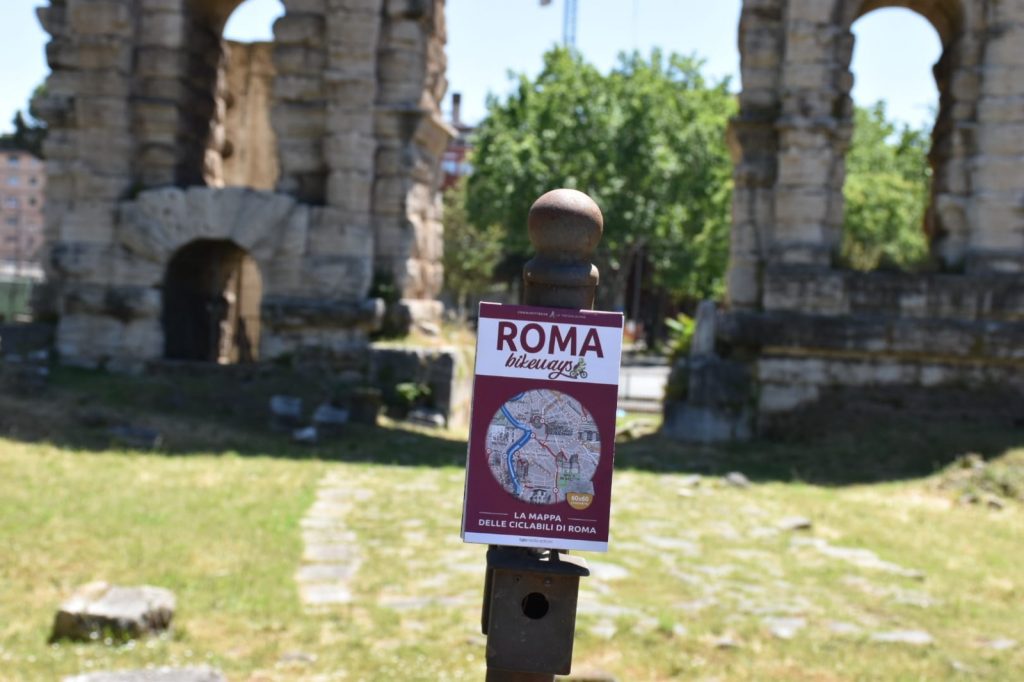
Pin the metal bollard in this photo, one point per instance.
(530, 595)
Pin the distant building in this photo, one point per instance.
(454, 164)
(22, 181)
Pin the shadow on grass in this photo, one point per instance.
(207, 413)
(221, 413)
(882, 449)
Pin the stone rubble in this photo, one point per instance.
(99, 610)
(784, 628)
(285, 412)
(912, 637)
(736, 479)
(791, 523)
(860, 557)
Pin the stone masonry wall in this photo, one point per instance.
(141, 111)
(250, 146)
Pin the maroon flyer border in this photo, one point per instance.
(521, 312)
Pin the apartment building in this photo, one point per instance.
(22, 181)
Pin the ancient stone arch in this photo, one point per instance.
(796, 122)
(332, 134)
(798, 328)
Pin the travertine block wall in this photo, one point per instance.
(798, 325)
(141, 112)
(249, 152)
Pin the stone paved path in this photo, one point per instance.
(330, 557)
(763, 571)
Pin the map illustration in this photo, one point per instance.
(542, 444)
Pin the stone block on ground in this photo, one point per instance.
(427, 417)
(912, 637)
(792, 523)
(285, 411)
(735, 479)
(307, 435)
(329, 418)
(99, 610)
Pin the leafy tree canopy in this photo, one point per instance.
(886, 193)
(470, 253)
(646, 141)
(29, 131)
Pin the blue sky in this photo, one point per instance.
(488, 38)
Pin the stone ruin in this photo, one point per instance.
(224, 202)
(799, 331)
(218, 201)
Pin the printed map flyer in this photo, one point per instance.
(542, 436)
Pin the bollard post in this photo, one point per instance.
(529, 603)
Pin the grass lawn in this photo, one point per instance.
(701, 582)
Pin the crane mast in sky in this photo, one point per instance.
(568, 21)
(569, 24)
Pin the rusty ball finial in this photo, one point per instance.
(565, 223)
(565, 227)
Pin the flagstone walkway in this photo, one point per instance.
(331, 557)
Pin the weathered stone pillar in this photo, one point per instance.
(90, 151)
(808, 190)
(411, 138)
(996, 210)
(754, 145)
(300, 99)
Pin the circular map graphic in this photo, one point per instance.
(542, 445)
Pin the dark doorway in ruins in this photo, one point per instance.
(211, 304)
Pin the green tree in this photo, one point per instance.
(29, 131)
(470, 253)
(646, 141)
(886, 193)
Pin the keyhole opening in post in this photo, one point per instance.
(535, 606)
